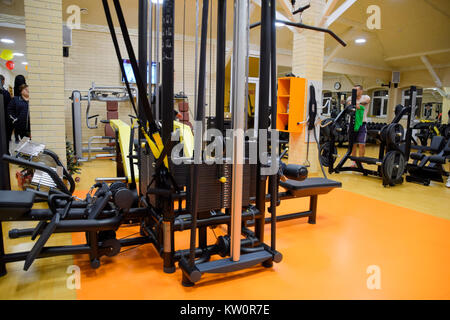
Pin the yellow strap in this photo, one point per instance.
(155, 148)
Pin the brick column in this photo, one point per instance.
(43, 28)
(445, 106)
(395, 97)
(307, 62)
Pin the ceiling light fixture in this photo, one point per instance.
(360, 41)
(18, 54)
(5, 40)
(25, 63)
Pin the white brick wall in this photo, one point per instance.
(307, 62)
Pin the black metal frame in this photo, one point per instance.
(162, 186)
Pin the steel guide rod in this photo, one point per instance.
(239, 76)
(220, 64)
(150, 50)
(157, 22)
(263, 114)
(142, 47)
(167, 62)
(273, 180)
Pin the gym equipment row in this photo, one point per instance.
(165, 198)
(394, 149)
(112, 95)
(428, 162)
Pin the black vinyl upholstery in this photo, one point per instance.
(14, 204)
(310, 186)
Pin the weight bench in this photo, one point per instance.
(436, 145)
(312, 188)
(428, 167)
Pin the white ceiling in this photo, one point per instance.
(408, 27)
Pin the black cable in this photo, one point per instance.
(118, 53)
(140, 84)
(318, 151)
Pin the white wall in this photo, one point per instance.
(9, 76)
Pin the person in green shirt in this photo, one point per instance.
(360, 127)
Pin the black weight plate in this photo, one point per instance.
(325, 150)
(383, 131)
(394, 134)
(393, 166)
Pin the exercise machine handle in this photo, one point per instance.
(305, 26)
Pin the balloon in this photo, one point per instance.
(7, 54)
(10, 65)
(26, 67)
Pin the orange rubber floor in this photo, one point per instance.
(328, 260)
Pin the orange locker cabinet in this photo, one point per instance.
(291, 102)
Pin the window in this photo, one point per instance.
(326, 103)
(380, 99)
(406, 100)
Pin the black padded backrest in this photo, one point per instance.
(437, 143)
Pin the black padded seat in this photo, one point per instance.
(417, 156)
(310, 186)
(437, 143)
(14, 204)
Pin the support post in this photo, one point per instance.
(199, 115)
(263, 114)
(168, 14)
(220, 64)
(273, 90)
(239, 106)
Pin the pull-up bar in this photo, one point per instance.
(305, 26)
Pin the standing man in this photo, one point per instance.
(6, 100)
(19, 111)
(360, 128)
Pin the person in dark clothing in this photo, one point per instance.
(19, 112)
(6, 101)
(18, 81)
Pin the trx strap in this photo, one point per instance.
(118, 54)
(156, 145)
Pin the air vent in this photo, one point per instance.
(67, 36)
(395, 77)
